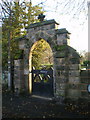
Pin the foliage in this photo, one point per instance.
(14, 25)
(46, 66)
(85, 59)
(86, 63)
(41, 54)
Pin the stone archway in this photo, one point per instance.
(66, 59)
(40, 79)
(36, 37)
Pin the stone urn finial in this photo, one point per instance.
(41, 17)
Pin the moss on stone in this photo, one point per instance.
(60, 47)
(60, 54)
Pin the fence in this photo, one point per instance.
(85, 81)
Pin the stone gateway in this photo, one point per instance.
(66, 72)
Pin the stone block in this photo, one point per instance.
(73, 93)
(64, 73)
(59, 61)
(62, 86)
(74, 73)
(74, 80)
(65, 42)
(74, 67)
(61, 36)
(63, 80)
(57, 85)
(21, 44)
(60, 55)
(51, 32)
(74, 60)
(60, 42)
(18, 73)
(61, 74)
(44, 27)
(30, 32)
(26, 71)
(58, 74)
(60, 93)
(62, 39)
(72, 86)
(52, 26)
(84, 94)
(26, 82)
(17, 62)
(60, 67)
(83, 86)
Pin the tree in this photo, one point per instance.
(41, 54)
(85, 59)
(87, 56)
(86, 63)
(22, 14)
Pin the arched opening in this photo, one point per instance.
(41, 68)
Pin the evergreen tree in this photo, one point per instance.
(22, 14)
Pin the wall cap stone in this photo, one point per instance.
(62, 31)
(42, 23)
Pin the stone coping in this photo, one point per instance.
(42, 23)
(62, 31)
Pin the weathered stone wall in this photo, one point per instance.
(67, 72)
(73, 91)
(19, 82)
(84, 82)
(61, 73)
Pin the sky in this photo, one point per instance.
(78, 27)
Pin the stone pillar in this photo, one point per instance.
(60, 75)
(73, 91)
(60, 64)
(26, 69)
(18, 75)
(61, 72)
